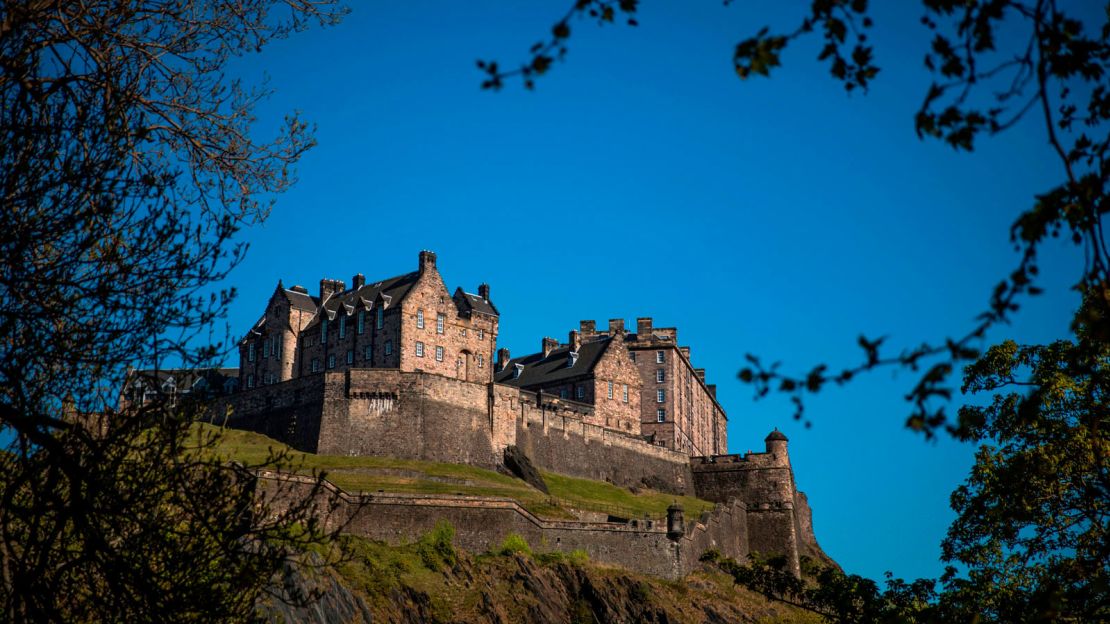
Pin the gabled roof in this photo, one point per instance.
(183, 378)
(299, 298)
(468, 302)
(392, 290)
(539, 370)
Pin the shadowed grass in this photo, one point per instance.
(410, 476)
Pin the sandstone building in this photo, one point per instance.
(409, 322)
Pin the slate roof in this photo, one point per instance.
(394, 289)
(184, 378)
(475, 303)
(299, 298)
(539, 370)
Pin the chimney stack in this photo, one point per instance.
(685, 351)
(643, 327)
(427, 260)
(588, 328)
(548, 345)
(616, 326)
(700, 372)
(483, 291)
(358, 281)
(329, 287)
(574, 341)
(502, 358)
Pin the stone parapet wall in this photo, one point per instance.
(483, 523)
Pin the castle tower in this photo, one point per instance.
(776, 446)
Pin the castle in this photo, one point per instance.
(402, 367)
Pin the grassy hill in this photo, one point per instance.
(389, 474)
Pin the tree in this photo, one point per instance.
(1033, 524)
(1056, 71)
(127, 166)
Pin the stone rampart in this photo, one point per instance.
(482, 523)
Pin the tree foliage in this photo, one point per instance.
(127, 166)
(1052, 66)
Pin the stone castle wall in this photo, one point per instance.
(483, 523)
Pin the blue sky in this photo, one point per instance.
(780, 217)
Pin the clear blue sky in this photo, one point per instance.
(642, 178)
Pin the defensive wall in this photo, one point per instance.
(416, 415)
(483, 523)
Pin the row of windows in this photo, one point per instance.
(367, 355)
(360, 324)
(660, 356)
(420, 351)
(270, 346)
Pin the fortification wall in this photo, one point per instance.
(289, 412)
(555, 437)
(482, 523)
(408, 415)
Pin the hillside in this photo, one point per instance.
(430, 581)
(569, 497)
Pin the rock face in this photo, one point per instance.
(521, 467)
(505, 589)
(312, 598)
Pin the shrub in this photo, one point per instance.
(514, 544)
(436, 547)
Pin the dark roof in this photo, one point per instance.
(775, 435)
(299, 298)
(394, 288)
(474, 303)
(539, 370)
(184, 378)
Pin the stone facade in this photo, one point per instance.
(409, 322)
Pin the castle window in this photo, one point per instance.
(440, 320)
(250, 381)
(389, 347)
(419, 349)
(660, 395)
(610, 389)
(315, 365)
(381, 318)
(350, 357)
(420, 319)
(368, 353)
(481, 360)
(324, 331)
(481, 334)
(360, 325)
(266, 348)
(580, 392)
(439, 354)
(624, 392)
(250, 352)
(331, 361)
(563, 393)
(632, 354)
(464, 332)
(660, 357)
(343, 327)
(661, 415)
(659, 376)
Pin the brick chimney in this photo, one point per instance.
(329, 287)
(547, 345)
(483, 291)
(588, 328)
(358, 281)
(616, 326)
(502, 358)
(643, 327)
(712, 388)
(685, 351)
(700, 372)
(427, 260)
(574, 341)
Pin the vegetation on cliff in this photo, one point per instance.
(429, 580)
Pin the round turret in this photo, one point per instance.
(676, 524)
(776, 444)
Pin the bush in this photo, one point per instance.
(436, 547)
(515, 544)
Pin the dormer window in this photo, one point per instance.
(517, 370)
(572, 359)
